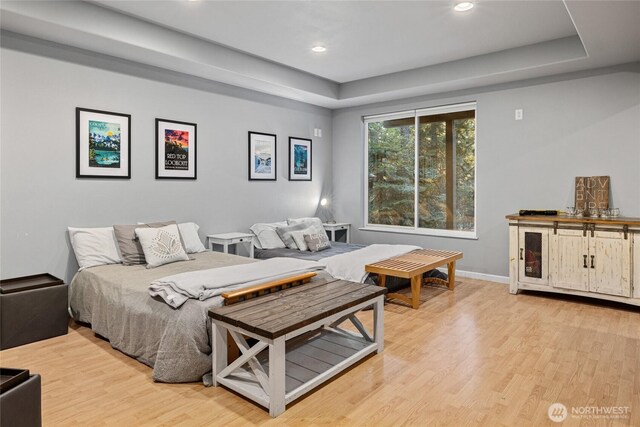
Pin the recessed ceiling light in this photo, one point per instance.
(463, 6)
(319, 49)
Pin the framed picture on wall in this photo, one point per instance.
(176, 156)
(299, 159)
(103, 144)
(262, 157)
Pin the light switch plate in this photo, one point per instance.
(519, 114)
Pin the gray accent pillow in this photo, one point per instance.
(285, 234)
(130, 249)
(317, 242)
(313, 222)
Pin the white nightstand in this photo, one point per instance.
(226, 239)
(331, 228)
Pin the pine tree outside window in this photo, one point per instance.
(420, 170)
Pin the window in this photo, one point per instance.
(421, 171)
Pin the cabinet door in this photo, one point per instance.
(610, 263)
(533, 256)
(636, 265)
(569, 260)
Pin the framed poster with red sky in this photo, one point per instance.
(176, 156)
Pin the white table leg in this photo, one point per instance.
(225, 248)
(277, 377)
(251, 249)
(348, 234)
(210, 243)
(219, 351)
(378, 323)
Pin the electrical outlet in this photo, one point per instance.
(320, 133)
(519, 114)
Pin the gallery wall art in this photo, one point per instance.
(103, 144)
(176, 155)
(299, 159)
(262, 157)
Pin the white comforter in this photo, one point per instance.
(350, 266)
(204, 284)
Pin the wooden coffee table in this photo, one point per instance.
(300, 343)
(412, 266)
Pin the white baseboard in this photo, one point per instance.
(480, 276)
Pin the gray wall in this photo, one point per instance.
(40, 195)
(582, 125)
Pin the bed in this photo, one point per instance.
(291, 238)
(336, 248)
(114, 299)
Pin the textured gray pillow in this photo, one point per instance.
(285, 234)
(315, 223)
(317, 242)
(130, 248)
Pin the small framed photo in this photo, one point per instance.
(103, 144)
(299, 159)
(262, 157)
(176, 156)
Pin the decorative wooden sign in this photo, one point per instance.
(592, 192)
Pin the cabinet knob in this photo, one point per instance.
(592, 257)
(584, 261)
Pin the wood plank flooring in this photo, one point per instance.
(475, 356)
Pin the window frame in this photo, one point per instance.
(415, 229)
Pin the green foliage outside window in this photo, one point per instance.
(392, 171)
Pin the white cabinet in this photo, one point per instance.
(635, 282)
(596, 258)
(533, 256)
(596, 262)
(569, 257)
(610, 263)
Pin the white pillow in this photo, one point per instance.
(161, 245)
(298, 237)
(190, 238)
(94, 246)
(266, 235)
(312, 222)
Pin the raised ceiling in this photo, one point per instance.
(363, 39)
(376, 50)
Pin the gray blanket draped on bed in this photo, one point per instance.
(114, 299)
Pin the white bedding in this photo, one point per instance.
(350, 266)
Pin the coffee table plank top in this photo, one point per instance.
(277, 314)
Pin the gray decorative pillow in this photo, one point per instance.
(315, 223)
(317, 242)
(285, 234)
(161, 245)
(130, 249)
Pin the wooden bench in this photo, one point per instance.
(412, 266)
(299, 341)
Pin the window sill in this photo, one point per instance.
(469, 235)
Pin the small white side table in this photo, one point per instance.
(226, 239)
(331, 228)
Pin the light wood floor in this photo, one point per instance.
(475, 356)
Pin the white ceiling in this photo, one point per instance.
(377, 50)
(363, 39)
